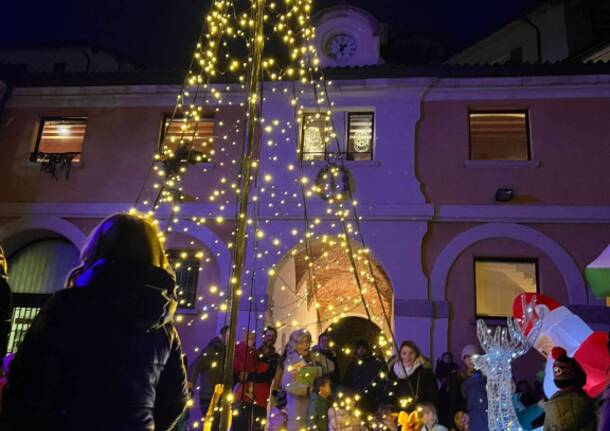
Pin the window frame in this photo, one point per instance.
(344, 143)
(347, 135)
(169, 117)
(501, 111)
(42, 121)
(27, 301)
(475, 259)
(175, 252)
(302, 140)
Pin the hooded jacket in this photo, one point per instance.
(102, 355)
(364, 376)
(569, 410)
(208, 368)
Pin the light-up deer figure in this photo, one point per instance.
(501, 348)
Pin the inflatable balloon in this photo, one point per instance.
(598, 274)
(561, 327)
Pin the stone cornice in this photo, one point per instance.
(368, 211)
(436, 89)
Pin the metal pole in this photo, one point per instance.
(254, 99)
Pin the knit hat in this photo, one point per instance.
(470, 350)
(566, 371)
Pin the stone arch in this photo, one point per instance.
(221, 252)
(17, 233)
(215, 244)
(566, 266)
(293, 301)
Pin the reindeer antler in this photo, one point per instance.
(484, 334)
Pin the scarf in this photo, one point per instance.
(399, 370)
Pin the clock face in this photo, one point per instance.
(340, 47)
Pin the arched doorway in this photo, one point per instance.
(36, 269)
(315, 288)
(346, 332)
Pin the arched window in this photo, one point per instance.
(36, 271)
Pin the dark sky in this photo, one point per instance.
(161, 33)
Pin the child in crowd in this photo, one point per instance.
(319, 403)
(569, 409)
(461, 420)
(343, 415)
(430, 418)
(387, 418)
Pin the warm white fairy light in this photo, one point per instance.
(212, 57)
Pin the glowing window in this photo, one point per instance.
(499, 136)
(360, 135)
(314, 136)
(62, 137)
(498, 282)
(196, 137)
(353, 138)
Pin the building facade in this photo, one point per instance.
(477, 184)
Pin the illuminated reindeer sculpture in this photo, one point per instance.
(501, 348)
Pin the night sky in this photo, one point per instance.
(160, 34)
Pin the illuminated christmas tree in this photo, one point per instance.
(231, 76)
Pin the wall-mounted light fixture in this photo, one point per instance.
(504, 195)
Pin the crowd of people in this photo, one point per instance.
(103, 354)
(303, 389)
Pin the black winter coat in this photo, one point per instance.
(420, 386)
(364, 377)
(101, 356)
(208, 368)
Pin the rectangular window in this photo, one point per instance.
(499, 136)
(194, 136)
(499, 281)
(360, 135)
(186, 266)
(20, 323)
(60, 137)
(354, 134)
(25, 309)
(314, 136)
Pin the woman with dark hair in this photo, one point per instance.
(411, 380)
(103, 354)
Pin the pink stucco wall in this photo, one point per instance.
(569, 138)
(117, 151)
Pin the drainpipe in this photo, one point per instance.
(538, 38)
(88, 57)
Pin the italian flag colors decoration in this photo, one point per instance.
(598, 274)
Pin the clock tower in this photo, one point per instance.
(347, 36)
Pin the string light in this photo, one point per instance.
(332, 234)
